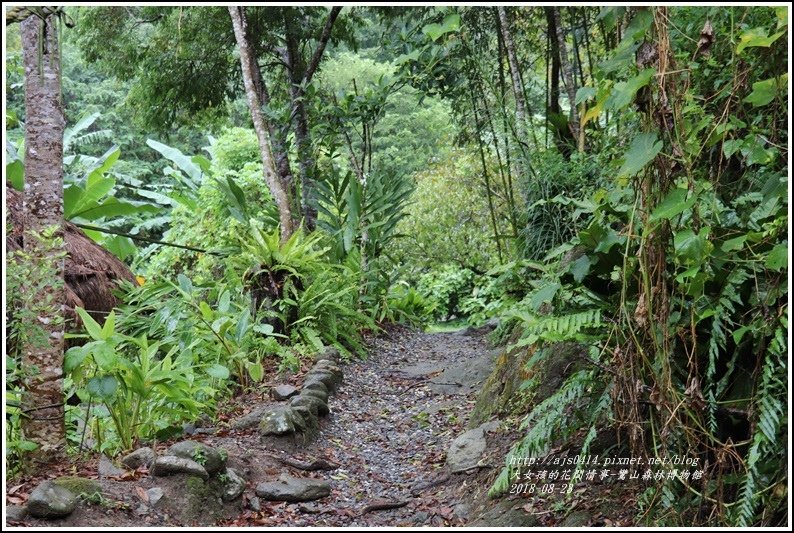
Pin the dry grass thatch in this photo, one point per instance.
(91, 272)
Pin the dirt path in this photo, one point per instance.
(390, 426)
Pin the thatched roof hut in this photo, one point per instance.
(91, 272)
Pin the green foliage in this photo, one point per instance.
(297, 293)
(141, 389)
(447, 201)
(554, 201)
(26, 277)
(229, 193)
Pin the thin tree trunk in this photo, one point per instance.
(515, 76)
(280, 193)
(43, 210)
(567, 73)
(300, 74)
(278, 142)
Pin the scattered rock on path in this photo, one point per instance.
(291, 489)
(233, 486)
(155, 494)
(140, 457)
(80, 486)
(283, 392)
(210, 458)
(466, 451)
(254, 504)
(107, 468)
(50, 500)
(168, 465)
(16, 513)
(577, 519)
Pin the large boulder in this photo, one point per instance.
(291, 489)
(50, 500)
(210, 458)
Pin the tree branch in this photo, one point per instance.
(324, 37)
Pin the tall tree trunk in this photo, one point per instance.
(563, 137)
(43, 210)
(554, 77)
(515, 76)
(567, 73)
(278, 189)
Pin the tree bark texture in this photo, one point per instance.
(279, 190)
(42, 354)
(567, 73)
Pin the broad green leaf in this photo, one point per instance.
(264, 329)
(185, 284)
(112, 208)
(404, 58)
(119, 245)
(103, 387)
(74, 358)
(15, 173)
(183, 162)
(777, 259)
(691, 247)
(81, 125)
(584, 94)
(242, 325)
(218, 371)
(731, 245)
(90, 325)
(543, 295)
(765, 91)
(108, 328)
(103, 164)
(675, 203)
(255, 370)
(781, 13)
(206, 312)
(450, 23)
(26, 445)
(104, 355)
(642, 151)
(77, 200)
(756, 37)
(580, 268)
(624, 92)
(608, 241)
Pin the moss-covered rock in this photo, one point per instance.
(523, 377)
(80, 486)
(204, 504)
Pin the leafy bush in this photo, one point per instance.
(141, 389)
